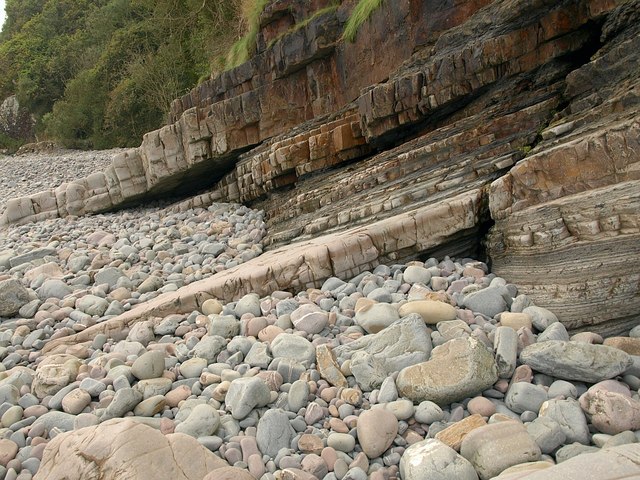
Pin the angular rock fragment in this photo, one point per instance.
(12, 296)
(404, 343)
(433, 459)
(458, 369)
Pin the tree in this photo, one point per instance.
(100, 73)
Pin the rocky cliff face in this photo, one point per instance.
(445, 120)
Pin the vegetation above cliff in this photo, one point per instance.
(101, 73)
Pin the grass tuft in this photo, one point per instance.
(242, 49)
(361, 12)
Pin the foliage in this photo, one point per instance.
(361, 12)
(9, 144)
(100, 73)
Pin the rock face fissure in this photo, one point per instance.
(531, 108)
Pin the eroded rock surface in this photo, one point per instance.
(126, 448)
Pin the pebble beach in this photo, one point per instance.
(436, 368)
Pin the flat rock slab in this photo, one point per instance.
(616, 463)
(306, 264)
(458, 369)
(576, 360)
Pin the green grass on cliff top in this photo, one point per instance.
(244, 47)
(361, 12)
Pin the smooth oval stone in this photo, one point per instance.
(12, 415)
(432, 311)
(309, 318)
(416, 274)
(193, 367)
(482, 406)
(376, 431)
(342, 442)
(402, 409)
(211, 306)
(250, 303)
(150, 407)
(148, 365)
(274, 432)
(376, 317)
(428, 412)
(298, 396)
(293, 347)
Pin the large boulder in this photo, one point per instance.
(123, 448)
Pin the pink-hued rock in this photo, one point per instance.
(8, 451)
(75, 401)
(482, 406)
(611, 408)
(309, 318)
(376, 431)
(53, 374)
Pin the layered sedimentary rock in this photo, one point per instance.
(567, 215)
(528, 108)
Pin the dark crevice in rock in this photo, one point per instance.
(405, 133)
(593, 31)
(464, 244)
